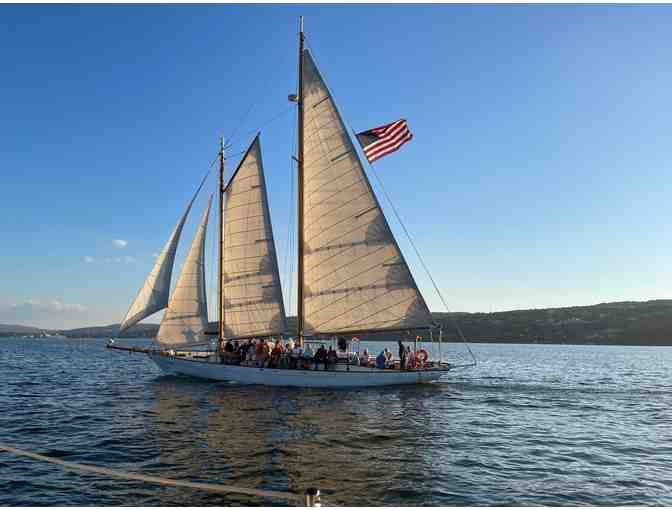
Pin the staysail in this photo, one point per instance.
(355, 277)
(251, 292)
(153, 295)
(186, 319)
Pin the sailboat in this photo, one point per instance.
(352, 276)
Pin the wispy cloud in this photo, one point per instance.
(52, 313)
(120, 243)
(89, 260)
(37, 310)
(119, 260)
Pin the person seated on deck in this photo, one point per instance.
(321, 357)
(364, 358)
(234, 355)
(290, 344)
(388, 358)
(251, 353)
(242, 350)
(307, 358)
(268, 349)
(228, 346)
(294, 356)
(332, 358)
(259, 352)
(226, 354)
(276, 353)
(381, 360)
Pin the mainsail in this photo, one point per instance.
(153, 295)
(251, 293)
(186, 319)
(355, 277)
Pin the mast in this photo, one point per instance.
(299, 312)
(221, 239)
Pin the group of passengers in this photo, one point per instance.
(266, 353)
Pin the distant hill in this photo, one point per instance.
(16, 329)
(137, 331)
(622, 323)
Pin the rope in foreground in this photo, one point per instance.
(210, 487)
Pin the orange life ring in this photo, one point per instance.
(422, 357)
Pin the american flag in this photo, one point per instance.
(383, 140)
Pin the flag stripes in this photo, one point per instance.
(383, 140)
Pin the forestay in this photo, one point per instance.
(186, 319)
(355, 277)
(251, 294)
(153, 295)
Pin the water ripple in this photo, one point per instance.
(532, 425)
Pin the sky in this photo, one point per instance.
(539, 174)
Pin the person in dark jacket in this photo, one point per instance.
(321, 357)
(402, 355)
(332, 357)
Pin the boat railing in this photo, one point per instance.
(310, 497)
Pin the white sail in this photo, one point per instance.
(153, 295)
(251, 293)
(355, 276)
(186, 319)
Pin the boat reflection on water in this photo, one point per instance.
(288, 439)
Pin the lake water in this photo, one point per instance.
(530, 425)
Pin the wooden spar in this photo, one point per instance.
(299, 314)
(370, 331)
(144, 350)
(220, 294)
(131, 349)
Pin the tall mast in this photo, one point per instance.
(221, 242)
(299, 315)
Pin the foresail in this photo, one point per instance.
(251, 294)
(186, 319)
(355, 277)
(153, 295)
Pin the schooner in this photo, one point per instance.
(352, 276)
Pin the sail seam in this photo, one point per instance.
(327, 305)
(371, 315)
(310, 193)
(327, 275)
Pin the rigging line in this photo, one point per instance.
(269, 121)
(417, 252)
(241, 121)
(422, 261)
(229, 156)
(265, 123)
(125, 475)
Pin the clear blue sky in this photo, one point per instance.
(540, 173)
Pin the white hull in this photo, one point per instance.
(341, 378)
